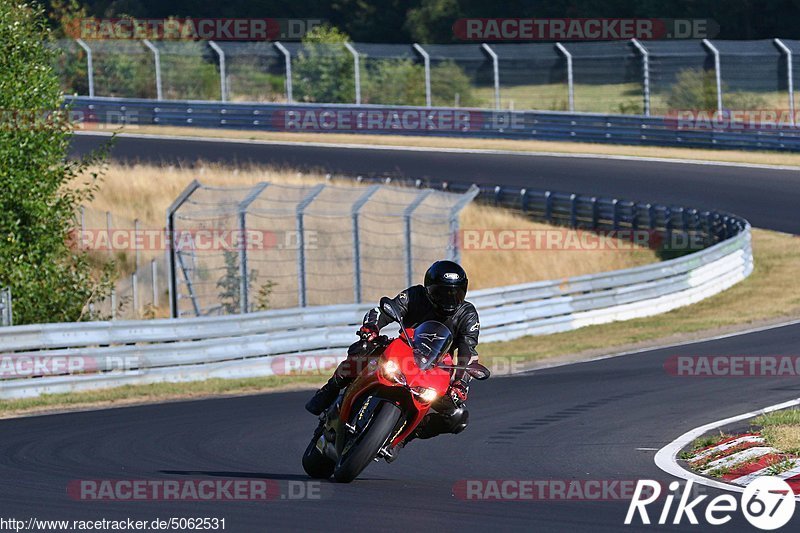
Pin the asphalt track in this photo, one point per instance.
(579, 422)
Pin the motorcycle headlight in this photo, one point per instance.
(426, 394)
(391, 371)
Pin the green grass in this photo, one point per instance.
(781, 429)
(156, 391)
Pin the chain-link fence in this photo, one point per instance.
(275, 246)
(628, 77)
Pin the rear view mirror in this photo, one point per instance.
(478, 371)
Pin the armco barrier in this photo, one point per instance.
(36, 359)
(460, 122)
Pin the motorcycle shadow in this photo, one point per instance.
(253, 475)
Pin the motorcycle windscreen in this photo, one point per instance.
(431, 341)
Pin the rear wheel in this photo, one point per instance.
(364, 450)
(315, 463)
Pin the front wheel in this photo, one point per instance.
(364, 450)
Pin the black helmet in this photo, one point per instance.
(446, 285)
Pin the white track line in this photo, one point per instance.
(392, 147)
(666, 457)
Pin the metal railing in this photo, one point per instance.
(517, 125)
(6, 311)
(102, 354)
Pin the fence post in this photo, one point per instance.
(711, 48)
(108, 234)
(426, 59)
(354, 210)
(135, 289)
(223, 82)
(789, 76)
(407, 212)
(172, 278)
(570, 79)
(244, 277)
(645, 74)
(136, 245)
(595, 214)
(356, 71)
(154, 275)
(455, 250)
(114, 303)
(496, 69)
(301, 243)
(615, 215)
(288, 57)
(157, 59)
(89, 66)
(83, 221)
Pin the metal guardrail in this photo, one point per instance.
(52, 358)
(461, 122)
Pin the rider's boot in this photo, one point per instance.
(325, 396)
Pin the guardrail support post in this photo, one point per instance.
(244, 276)
(570, 78)
(645, 74)
(595, 214)
(713, 49)
(288, 58)
(354, 210)
(789, 76)
(301, 243)
(172, 277)
(157, 60)
(573, 210)
(409, 210)
(426, 59)
(223, 78)
(89, 66)
(356, 71)
(496, 70)
(548, 206)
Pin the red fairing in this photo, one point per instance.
(373, 377)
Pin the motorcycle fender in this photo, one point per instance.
(360, 419)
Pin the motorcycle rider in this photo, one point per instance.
(441, 298)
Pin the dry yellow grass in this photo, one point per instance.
(761, 158)
(784, 438)
(145, 191)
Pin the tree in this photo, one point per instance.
(323, 71)
(40, 189)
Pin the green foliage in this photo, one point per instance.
(323, 70)
(399, 82)
(449, 80)
(264, 295)
(40, 190)
(230, 283)
(696, 89)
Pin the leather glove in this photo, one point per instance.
(368, 332)
(458, 392)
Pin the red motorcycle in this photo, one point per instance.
(386, 402)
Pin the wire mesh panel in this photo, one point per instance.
(681, 76)
(461, 75)
(607, 77)
(206, 244)
(322, 73)
(254, 71)
(189, 70)
(391, 74)
(123, 68)
(70, 66)
(532, 76)
(753, 75)
(307, 245)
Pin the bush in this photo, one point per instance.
(323, 70)
(697, 89)
(39, 189)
